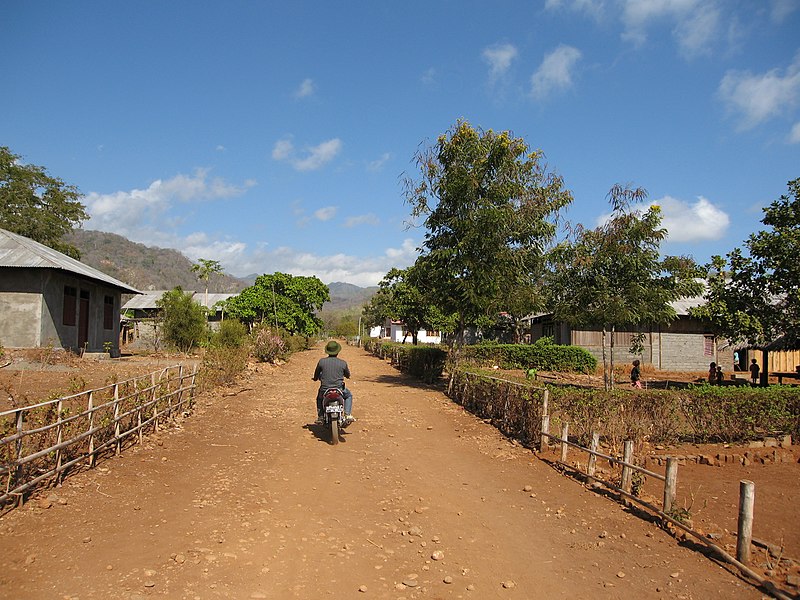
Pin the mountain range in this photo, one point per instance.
(152, 268)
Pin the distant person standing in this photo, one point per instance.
(720, 376)
(712, 373)
(636, 375)
(754, 371)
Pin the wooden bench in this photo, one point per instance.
(781, 374)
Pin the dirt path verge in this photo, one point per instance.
(246, 499)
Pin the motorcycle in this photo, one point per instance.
(333, 412)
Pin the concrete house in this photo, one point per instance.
(685, 344)
(50, 299)
(396, 331)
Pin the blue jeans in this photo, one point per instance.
(348, 402)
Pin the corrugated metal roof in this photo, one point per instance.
(148, 299)
(682, 305)
(19, 251)
(200, 298)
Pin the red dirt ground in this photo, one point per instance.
(245, 499)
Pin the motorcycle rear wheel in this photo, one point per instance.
(334, 431)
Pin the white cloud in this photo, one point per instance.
(686, 221)
(306, 89)
(593, 8)
(358, 270)
(123, 212)
(315, 157)
(283, 149)
(757, 98)
(499, 58)
(368, 219)
(429, 76)
(692, 222)
(326, 213)
(377, 165)
(695, 23)
(794, 135)
(781, 9)
(555, 72)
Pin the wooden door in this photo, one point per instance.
(83, 320)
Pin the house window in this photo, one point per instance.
(708, 345)
(108, 312)
(549, 330)
(70, 305)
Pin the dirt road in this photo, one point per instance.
(420, 500)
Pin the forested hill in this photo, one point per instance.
(347, 295)
(144, 267)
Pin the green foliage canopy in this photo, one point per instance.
(614, 275)
(491, 210)
(37, 205)
(754, 296)
(401, 297)
(286, 301)
(183, 319)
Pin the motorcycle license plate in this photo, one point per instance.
(334, 408)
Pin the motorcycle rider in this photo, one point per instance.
(331, 372)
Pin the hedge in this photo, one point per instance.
(542, 355)
(424, 362)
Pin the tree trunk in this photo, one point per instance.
(611, 361)
(605, 362)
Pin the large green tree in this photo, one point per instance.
(753, 293)
(490, 208)
(614, 275)
(401, 297)
(37, 205)
(289, 302)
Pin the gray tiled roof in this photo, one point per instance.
(19, 251)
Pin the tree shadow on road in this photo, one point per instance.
(401, 380)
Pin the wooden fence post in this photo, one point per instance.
(545, 421)
(564, 438)
(590, 468)
(670, 483)
(747, 492)
(627, 472)
(18, 472)
(118, 441)
(192, 384)
(59, 438)
(90, 408)
(154, 398)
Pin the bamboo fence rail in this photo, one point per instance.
(41, 442)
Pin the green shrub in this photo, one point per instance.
(542, 355)
(295, 343)
(222, 365)
(231, 334)
(184, 323)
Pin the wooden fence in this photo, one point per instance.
(42, 441)
(510, 397)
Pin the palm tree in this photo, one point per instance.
(204, 269)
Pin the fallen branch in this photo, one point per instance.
(237, 393)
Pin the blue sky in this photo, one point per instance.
(273, 136)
